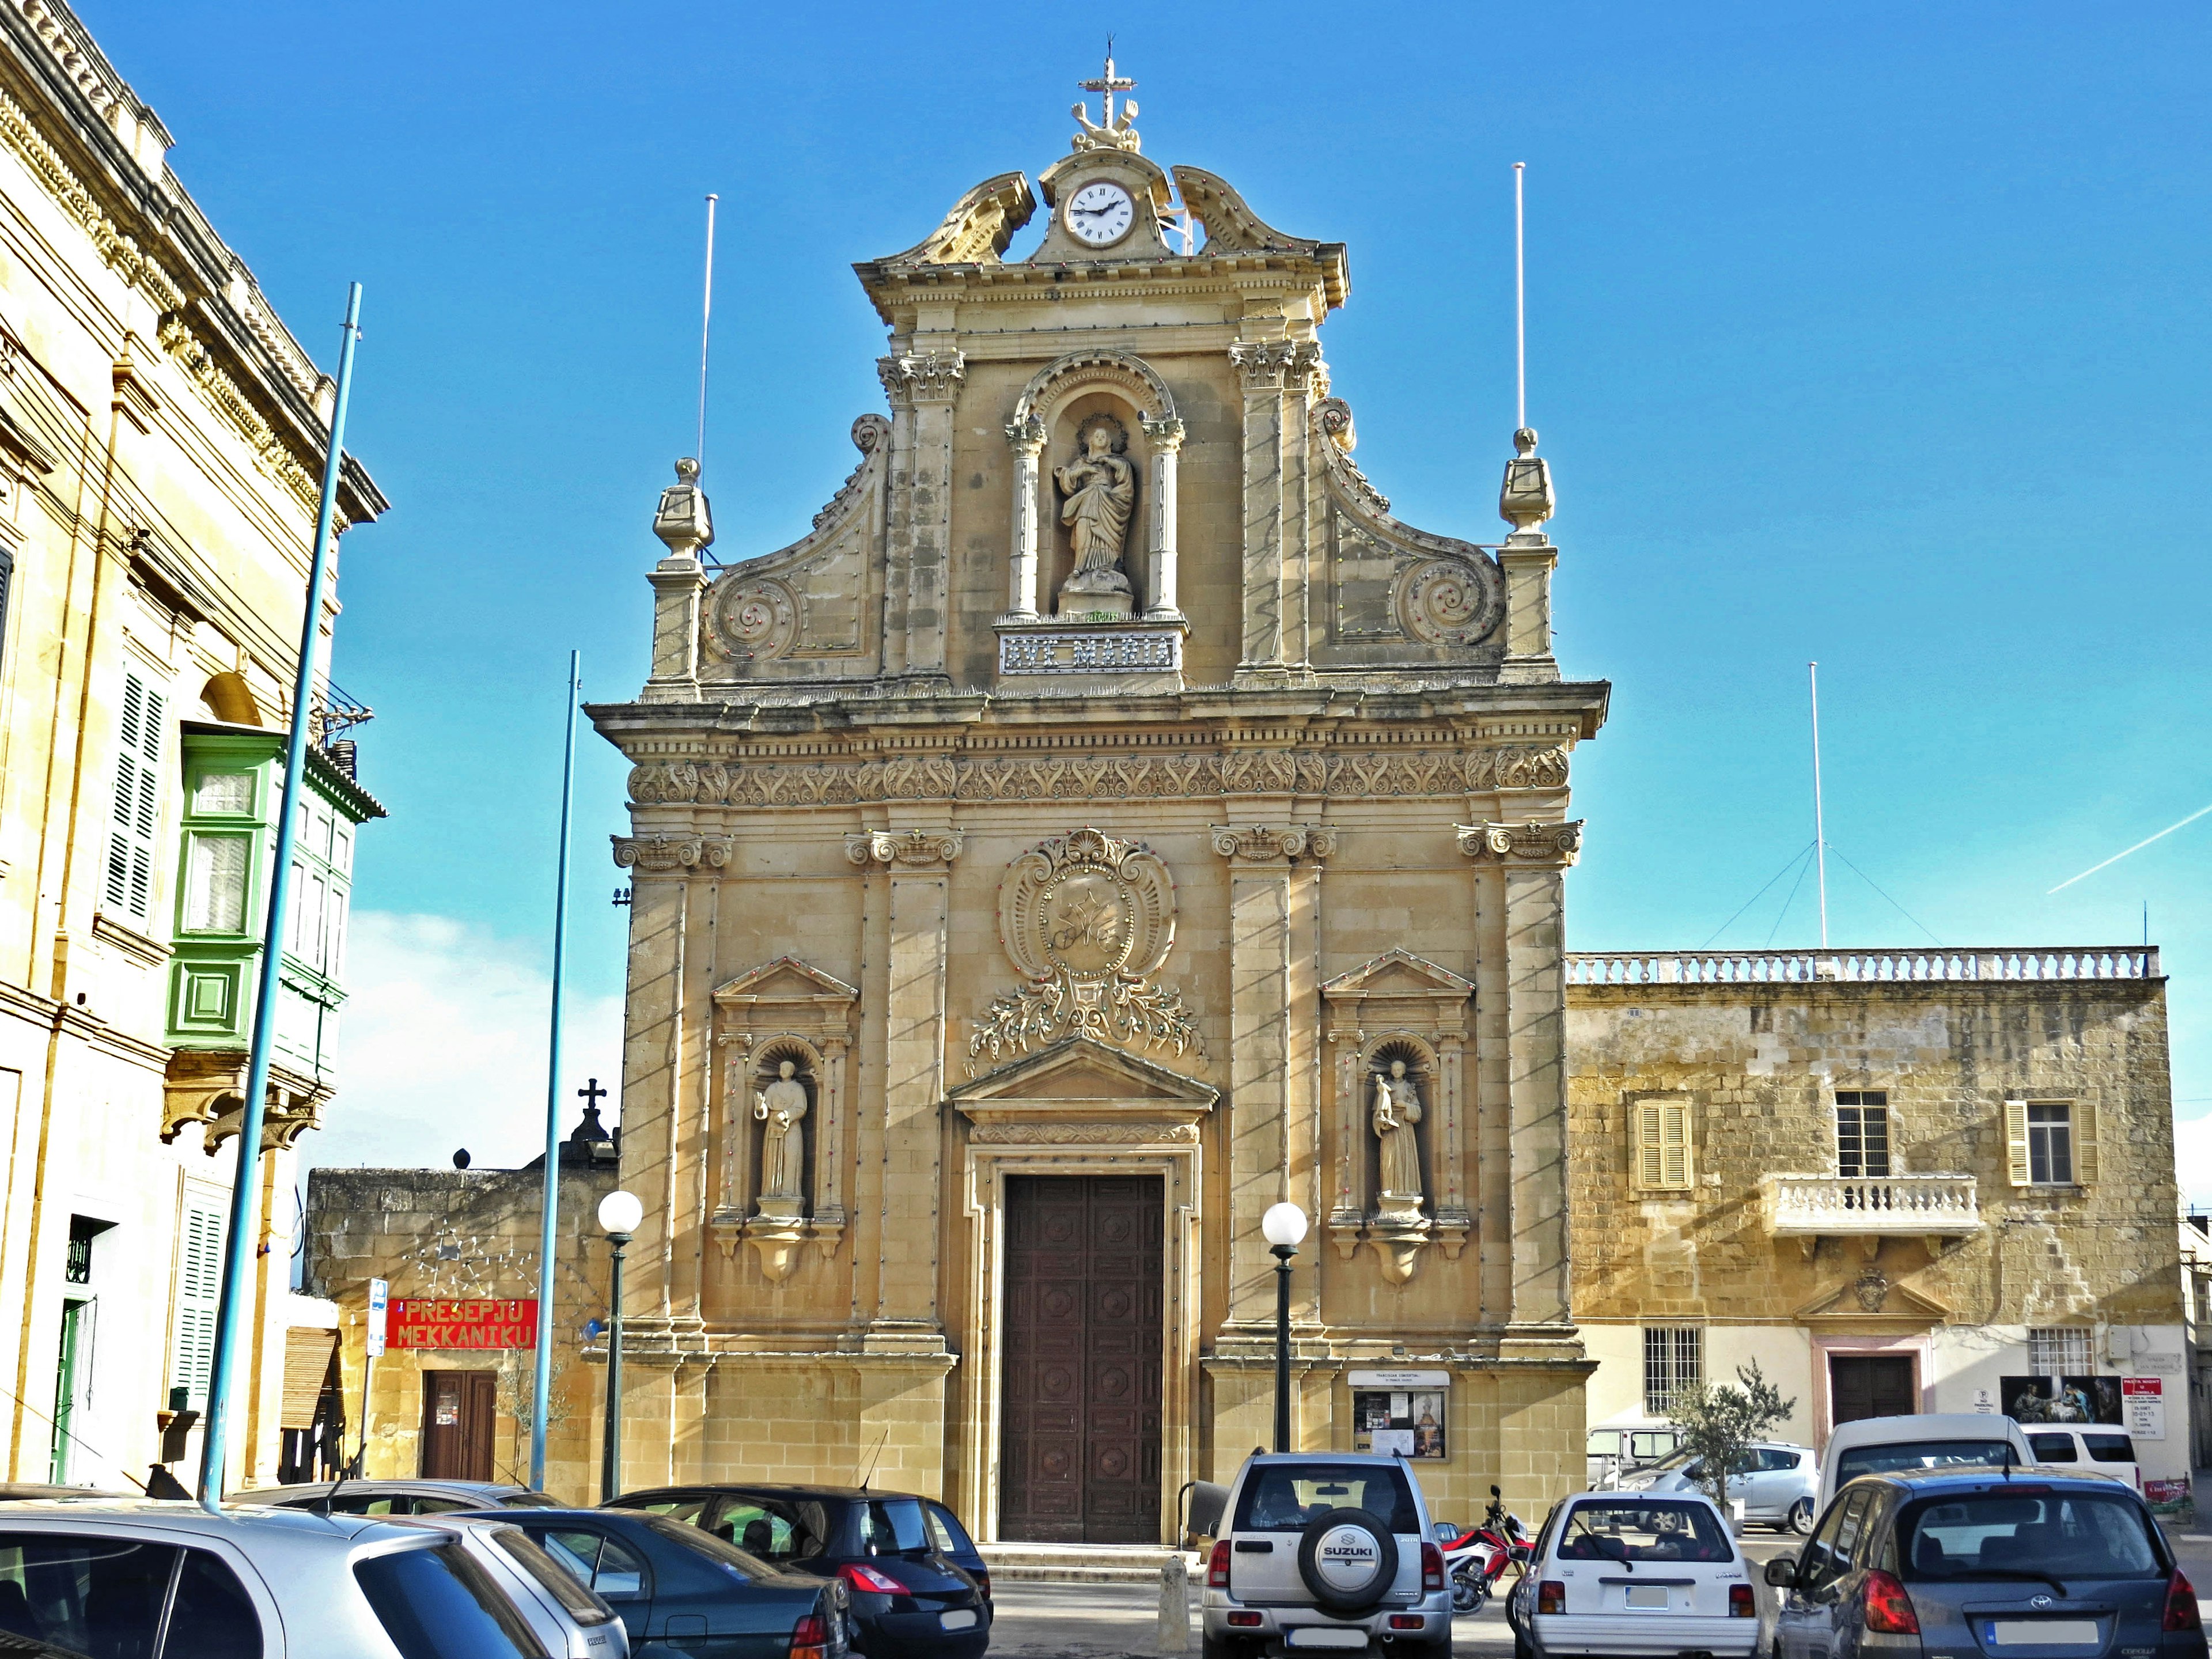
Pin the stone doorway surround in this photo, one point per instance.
(1080, 1107)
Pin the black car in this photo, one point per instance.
(919, 1586)
(1994, 1560)
(684, 1593)
(397, 1497)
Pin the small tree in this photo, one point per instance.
(1719, 1424)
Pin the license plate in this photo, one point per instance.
(960, 1619)
(2040, 1633)
(1648, 1596)
(1321, 1636)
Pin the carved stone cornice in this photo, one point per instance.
(1273, 843)
(1523, 843)
(1350, 775)
(1129, 1133)
(660, 855)
(922, 377)
(909, 849)
(1276, 365)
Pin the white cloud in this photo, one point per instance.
(443, 1046)
(2193, 1159)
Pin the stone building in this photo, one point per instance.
(468, 1236)
(1900, 1179)
(161, 437)
(1105, 822)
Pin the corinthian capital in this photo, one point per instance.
(1166, 435)
(921, 377)
(911, 849)
(1276, 365)
(1522, 844)
(1025, 436)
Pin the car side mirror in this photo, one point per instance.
(1782, 1572)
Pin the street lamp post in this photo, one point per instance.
(619, 1215)
(1284, 1226)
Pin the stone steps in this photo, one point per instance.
(1081, 1564)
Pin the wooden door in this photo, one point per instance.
(1871, 1385)
(1079, 1455)
(458, 1408)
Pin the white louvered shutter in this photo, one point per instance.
(2085, 1143)
(131, 862)
(2015, 1128)
(199, 1288)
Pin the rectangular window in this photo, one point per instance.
(137, 801)
(200, 1287)
(223, 791)
(215, 884)
(2058, 1351)
(1662, 1128)
(1674, 1359)
(1863, 1135)
(2052, 1142)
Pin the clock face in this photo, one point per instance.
(1100, 213)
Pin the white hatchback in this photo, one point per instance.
(1634, 1573)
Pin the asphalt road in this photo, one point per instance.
(1122, 1621)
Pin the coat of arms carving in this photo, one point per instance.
(1087, 919)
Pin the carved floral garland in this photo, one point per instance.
(1119, 1010)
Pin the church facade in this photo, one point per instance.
(1107, 822)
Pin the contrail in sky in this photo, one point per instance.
(2138, 847)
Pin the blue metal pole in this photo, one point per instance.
(240, 1247)
(542, 1384)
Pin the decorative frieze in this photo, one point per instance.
(1522, 844)
(1271, 842)
(1347, 775)
(907, 849)
(1135, 1132)
(661, 855)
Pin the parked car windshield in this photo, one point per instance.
(895, 1527)
(1918, 1455)
(706, 1544)
(2069, 1536)
(439, 1604)
(1645, 1529)
(1285, 1496)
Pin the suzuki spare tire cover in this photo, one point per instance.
(1348, 1559)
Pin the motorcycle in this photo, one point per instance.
(1479, 1557)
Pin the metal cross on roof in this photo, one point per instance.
(592, 1093)
(1108, 84)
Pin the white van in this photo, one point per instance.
(1931, 1440)
(2087, 1446)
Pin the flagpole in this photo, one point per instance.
(551, 1208)
(1819, 825)
(240, 1245)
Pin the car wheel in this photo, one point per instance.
(1801, 1517)
(1522, 1648)
(1348, 1559)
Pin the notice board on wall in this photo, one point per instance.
(1402, 1412)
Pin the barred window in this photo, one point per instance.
(1674, 1359)
(1862, 1133)
(2058, 1351)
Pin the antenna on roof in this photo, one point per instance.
(1820, 835)
(706, 327)
(1520, 304)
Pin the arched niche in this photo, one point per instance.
(1049, 418)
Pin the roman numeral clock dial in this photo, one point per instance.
(1100, 214)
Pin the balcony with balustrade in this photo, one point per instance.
(1870, 1208)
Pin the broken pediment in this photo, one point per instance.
(1873, 1299)
(977, 229)
(1080, 1076)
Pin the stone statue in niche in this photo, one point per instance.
(781, 1107)
(1101, 488)
(1397, 1109)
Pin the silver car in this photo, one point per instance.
(1326, 1549)
(1777, 1483)
(168, 1580)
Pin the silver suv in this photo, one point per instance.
(1326, 1550)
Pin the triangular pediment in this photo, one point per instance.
(1898, 1305)
(785, 979)
(1083, 1069)
(1399, 974)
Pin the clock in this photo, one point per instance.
(1100, 214)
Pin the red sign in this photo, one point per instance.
(2150, 1385)
(421, 1321)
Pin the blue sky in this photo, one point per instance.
(1871, 333)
